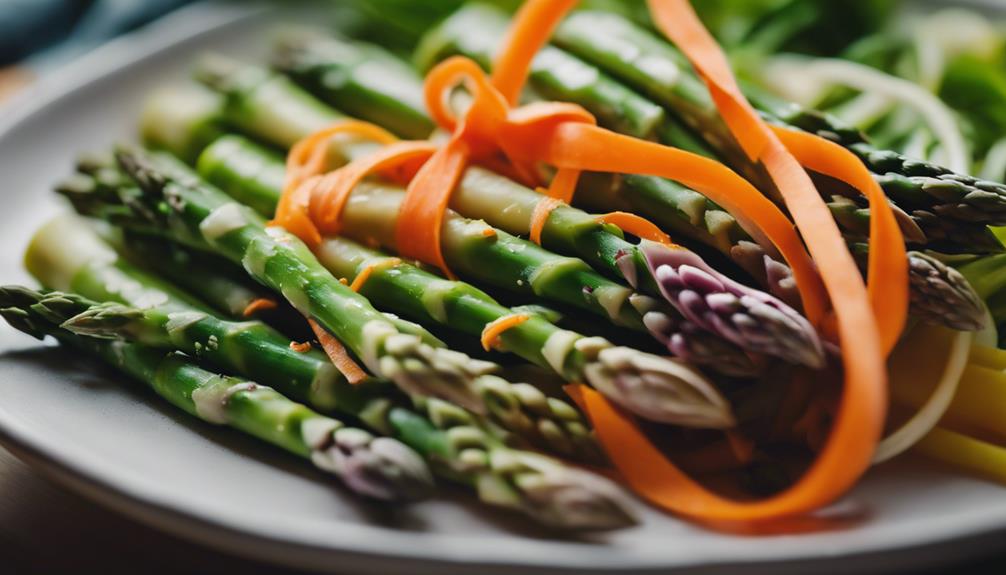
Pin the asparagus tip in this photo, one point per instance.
(658, 388)
(568, 498)
(379, 467)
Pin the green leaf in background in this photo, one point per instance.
(976, 89)
(824, 27)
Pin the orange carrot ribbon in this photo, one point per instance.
(338, 354)
(867, 332)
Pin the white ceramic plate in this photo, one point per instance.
(97, 434)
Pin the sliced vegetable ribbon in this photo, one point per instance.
(866, 332)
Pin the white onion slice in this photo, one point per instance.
(995, 162)
(817, 73)
(929, 415)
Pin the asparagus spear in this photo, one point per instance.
(483, 194)
(651, 65)
(213, 278)
(173, 199)
(933, 284)
(362, 73)
(310, 59)
(377, 467)
(67, 255)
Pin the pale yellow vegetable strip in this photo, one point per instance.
(980, 403)
(963, 452)
(934, 407)
(990, 357)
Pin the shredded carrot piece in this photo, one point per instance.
(421, 215)
(489, 233)
(300, 347)
(492, 331)
(338, 354)
(306, 160)
(527, 34)
(539, 217)
(563, 185)
(257, 305)
(637, 226)
(365, 273)
(344, 281)
(888, 267)
(332, 191)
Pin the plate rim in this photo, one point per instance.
(203, 18)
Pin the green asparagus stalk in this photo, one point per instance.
(213, 278)
(457, 445)
(177, 202)
(654, 67)
(377, 467)
(67, 255)
(507, 205)
(309, 59)
(364, 73)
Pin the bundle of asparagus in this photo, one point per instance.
(509, 206)
(180, 276)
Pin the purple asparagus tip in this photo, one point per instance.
(750, 318)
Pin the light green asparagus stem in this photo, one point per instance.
(377, 467)
(68, 255)
(364, 73)
(653, 66)
(187, 208)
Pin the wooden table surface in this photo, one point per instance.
(47, 529)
